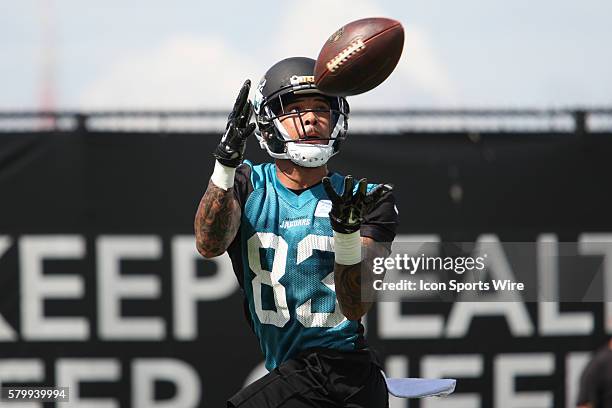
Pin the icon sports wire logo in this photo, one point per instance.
(412, 264)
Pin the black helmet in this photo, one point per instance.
(284, 81)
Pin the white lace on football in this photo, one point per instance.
(345, 55)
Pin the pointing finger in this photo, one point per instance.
(245, 115)
(240, 100)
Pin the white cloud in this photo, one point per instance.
(303, 32)
(187, 71)
(182, 72)
(419, 77)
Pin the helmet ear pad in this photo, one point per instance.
(274, 143)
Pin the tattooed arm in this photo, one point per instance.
(218, 216)
(351, 280)
(354, 255)
(217, 221)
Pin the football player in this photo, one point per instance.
(301, 240)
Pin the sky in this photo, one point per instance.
(189, 54)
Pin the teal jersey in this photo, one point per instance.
(283, 256)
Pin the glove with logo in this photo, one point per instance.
(349, 209)
(230, 150)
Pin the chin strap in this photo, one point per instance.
(306, 155)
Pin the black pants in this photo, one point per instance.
(319, 378)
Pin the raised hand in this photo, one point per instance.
(230, 150)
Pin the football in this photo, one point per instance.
(359, 56)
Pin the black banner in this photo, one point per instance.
(101, 289)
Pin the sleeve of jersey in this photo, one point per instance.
(381, 222)
(242, 189)
(242, 184)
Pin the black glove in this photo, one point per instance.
(348, 210)
(230, 150)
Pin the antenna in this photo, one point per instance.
(47, 95)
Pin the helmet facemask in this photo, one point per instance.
(275, 138)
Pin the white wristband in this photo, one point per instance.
(223, 176)
(347, 248)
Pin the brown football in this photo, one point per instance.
(359, 56)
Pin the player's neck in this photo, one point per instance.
(296, 177)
